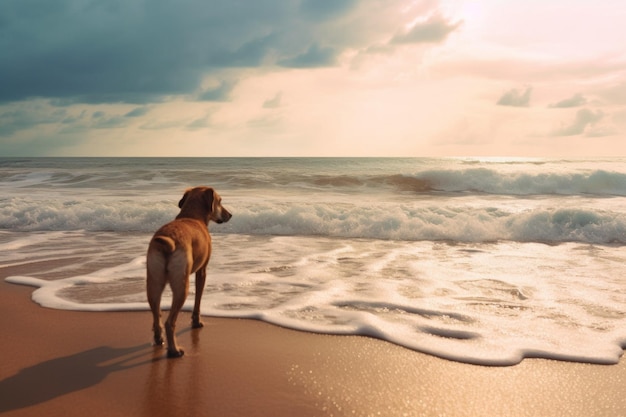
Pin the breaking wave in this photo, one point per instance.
(372, 221)
(408, 199)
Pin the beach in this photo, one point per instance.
(71, 363)
(340, 287)
(480, 261)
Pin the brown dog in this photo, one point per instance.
(177, 250)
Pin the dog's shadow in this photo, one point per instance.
(56, 377)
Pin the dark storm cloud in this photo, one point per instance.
(324, 9)
(149, 51)
(98, 52)
(142, 51)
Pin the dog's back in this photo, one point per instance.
(177, 250)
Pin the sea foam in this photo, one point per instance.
(487, 303)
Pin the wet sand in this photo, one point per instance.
(65, 363)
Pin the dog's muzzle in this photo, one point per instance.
(225, 217)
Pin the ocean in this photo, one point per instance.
(479, 260)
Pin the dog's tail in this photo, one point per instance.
(166, 244)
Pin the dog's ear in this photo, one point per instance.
(182, 200)
(209, 196)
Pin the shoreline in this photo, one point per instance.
(71, 363)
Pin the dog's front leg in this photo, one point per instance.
(200, 280)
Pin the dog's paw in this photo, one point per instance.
(175, 353)
(158, 342)
(197, 324)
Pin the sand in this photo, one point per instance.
(65, 363)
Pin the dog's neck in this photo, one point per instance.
(193, 213)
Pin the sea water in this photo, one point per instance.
(483, 261)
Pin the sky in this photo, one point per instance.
(520, 78)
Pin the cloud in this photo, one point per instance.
(138, 52)
(264, 122)
(142, 52)
(615, 93)
(274, 102)
(201, 123)
(221, 92)
(432, 30)
(313, 57)
(576, 100)
(41, 114)
(138, 112)
(101, 120)
(26, 115)
(515, 98)
(323, 9)
(584, 119)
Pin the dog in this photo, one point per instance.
(178, 249)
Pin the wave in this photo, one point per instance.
(23, 214)
(483, 180)
(405, 199)
(488, 181)
(456, 179)
(435, 223)
(370, 220)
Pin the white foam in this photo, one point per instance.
(468, 219)
(48, 293)
(490, 304)
(27, 240)
(470, 222)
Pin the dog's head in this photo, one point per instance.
(203, 202)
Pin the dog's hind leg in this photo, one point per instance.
(154, 291)
(200, 280)
(180, 289)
